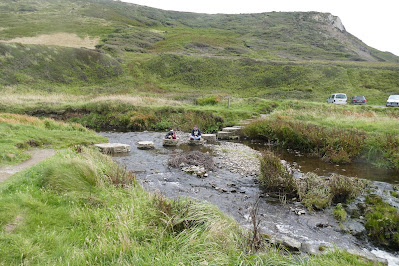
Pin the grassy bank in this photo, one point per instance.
(339, 134)
(135, 113)
(79, 207)
(20, 132)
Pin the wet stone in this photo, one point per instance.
(195, 170)
(289, 243)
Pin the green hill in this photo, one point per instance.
(304, 55)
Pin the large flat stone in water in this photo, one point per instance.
(211, 138)
(223, 135)
(234, 129)
(145, 145)
(170, 142)
(193, 142)
(110, 148)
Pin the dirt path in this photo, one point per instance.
(38, 155)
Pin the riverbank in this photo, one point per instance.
(338, 134)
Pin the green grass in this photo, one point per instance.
(274, 55)
(19, 133)
(70, 210)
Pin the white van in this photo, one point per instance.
(337, 98)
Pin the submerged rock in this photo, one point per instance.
(195, 170)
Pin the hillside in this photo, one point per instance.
(145, 50)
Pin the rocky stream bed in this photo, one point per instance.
(232, 186)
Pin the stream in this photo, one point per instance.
(235, 193)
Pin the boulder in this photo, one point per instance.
(210, 138)
(145, 145)
(309, 249)
(289, 243)
(355, 228)
(170, 142)
(110, 148)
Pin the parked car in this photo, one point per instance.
(358, 100)
(337, 98)
(393, 100)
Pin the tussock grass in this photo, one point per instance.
(275, 176)
(382, 222)
(314, 191)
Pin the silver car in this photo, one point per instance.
(393, 100)
(337, 98)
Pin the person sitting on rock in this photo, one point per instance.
(195, 134)
(171, 134)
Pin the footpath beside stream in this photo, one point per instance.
(233, 188)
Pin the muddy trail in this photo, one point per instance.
(234, 189)
(37, 155)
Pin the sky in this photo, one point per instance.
(376, 23)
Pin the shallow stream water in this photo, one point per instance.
(310, 163)
(236, 194)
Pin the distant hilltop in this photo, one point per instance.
(129, 27)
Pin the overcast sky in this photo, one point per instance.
(376, 22)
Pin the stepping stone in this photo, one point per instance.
(170, 142)
(211, 138)
(224, 135)
(110, 148)
(231, 129)
(195, 142)
(145, 145)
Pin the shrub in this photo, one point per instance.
(210, 100)
(314, 191)
(275, 176)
